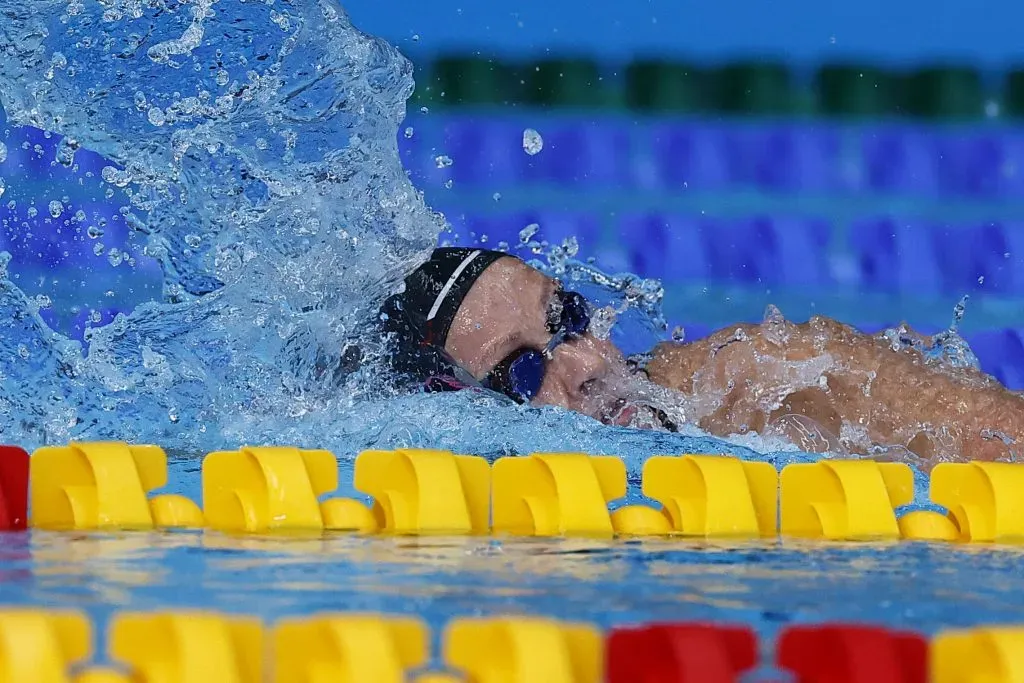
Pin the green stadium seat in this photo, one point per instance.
(754, 88)
(666, 87)
(849, 90)
(563, 83)
(944, 93)
(1013, 93)
(470, 81)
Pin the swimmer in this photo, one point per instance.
(486, 319)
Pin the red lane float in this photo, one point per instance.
(846, 653)
(13, 488)
(680, 653)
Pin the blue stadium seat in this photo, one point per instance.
(682, 155)
(785, 251)
(895, 255)
(666, 247)
(485, 152)
(1001, 354)
(784, 157)
(580, 153)
(898, 160)
(974, 259)
(971, 163)
(802, 246)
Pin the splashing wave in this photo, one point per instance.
(253, 146)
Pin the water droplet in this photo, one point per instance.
(156, 116)
(56, 208)
(527, 233)
(533, 143)
(497, 196)
(408, 132)
(443, 161)
(94, 232)
(3, 152)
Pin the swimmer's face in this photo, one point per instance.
(506, 310)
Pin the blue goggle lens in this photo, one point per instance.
(525, 375)
(575, 314)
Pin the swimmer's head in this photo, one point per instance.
(478, 317)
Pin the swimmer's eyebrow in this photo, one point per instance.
(497, 350)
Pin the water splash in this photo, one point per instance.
(253, 148)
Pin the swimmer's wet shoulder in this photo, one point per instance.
(509, 327)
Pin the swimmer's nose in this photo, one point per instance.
(579, 365)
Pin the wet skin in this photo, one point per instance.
(821, 384)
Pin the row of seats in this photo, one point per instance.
(876, 254)
(699, 155)
(660, 154)
(882, 254)
(760, 86)
(264, 489)
(45, 646)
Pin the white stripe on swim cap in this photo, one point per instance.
(451, 283)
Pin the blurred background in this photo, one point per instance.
(863, 160)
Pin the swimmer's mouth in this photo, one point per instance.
(624, 413)
(620, 414)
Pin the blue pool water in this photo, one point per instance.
(265, 180)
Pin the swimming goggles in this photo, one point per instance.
(521, 374)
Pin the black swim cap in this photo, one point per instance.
(422, 315)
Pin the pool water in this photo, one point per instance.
(767, 585)
(298, 192)
(917, 586)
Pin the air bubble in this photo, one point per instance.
(448, 184)
(408, 133)
(56, 208)
(443, 161)
(99, 248)
(94, 232)
(533, 143)
(496, 196)
(193, 240)
(3, 152)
